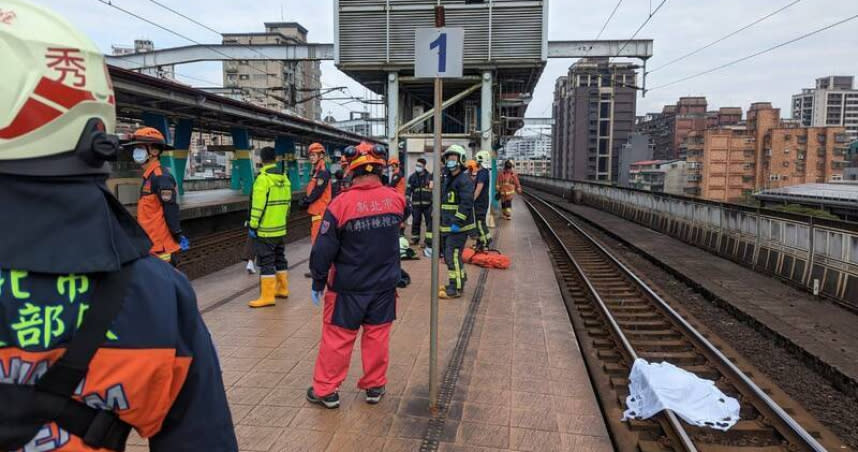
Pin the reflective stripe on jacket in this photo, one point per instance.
(418, 190)
(270, 202)
(508, 184)
(457, 202)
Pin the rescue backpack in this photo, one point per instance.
(28, 408)
(486, 258)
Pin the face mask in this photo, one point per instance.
(419, 169)
(452, 164)
(140, 155)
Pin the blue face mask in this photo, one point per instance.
(419, 169)
(452, 164)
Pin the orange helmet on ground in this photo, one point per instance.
(365, 154)
(148, 136)
(316, 148)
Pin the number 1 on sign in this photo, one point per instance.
(441, 44)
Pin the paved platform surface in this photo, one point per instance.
(522, 383)
(821, 328)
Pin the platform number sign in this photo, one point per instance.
(438, 52)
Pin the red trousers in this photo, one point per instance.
(335, 352)
(314, 227)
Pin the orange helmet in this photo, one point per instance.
(148, 136)
(393, 161)
(365, 154)
(471, 165)
(316, 148)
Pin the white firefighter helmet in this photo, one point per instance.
(56, 95)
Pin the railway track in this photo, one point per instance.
(213, 252)
(619, 318)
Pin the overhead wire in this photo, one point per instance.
(728, 35)
(756, 54)
(173, 32)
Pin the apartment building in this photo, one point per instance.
(833, 102)
(594, 113)
(730, 163)
(291, 86)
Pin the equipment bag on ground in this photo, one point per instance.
(487, 258)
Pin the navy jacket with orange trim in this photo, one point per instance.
(157, 368)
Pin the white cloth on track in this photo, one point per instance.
(657, 386)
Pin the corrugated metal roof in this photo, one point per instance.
(837, 192)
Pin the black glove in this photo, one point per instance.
(497, 196)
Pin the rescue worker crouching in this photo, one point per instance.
(269, 212)
(481, 199)
(457, 218)
(96, 335)
(356, 258)
(318, 191)
(419, 192)
(507, 186)
(157, 208)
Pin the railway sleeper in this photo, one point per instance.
(679, 359)
(644, 325)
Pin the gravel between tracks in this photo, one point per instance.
(834, 409)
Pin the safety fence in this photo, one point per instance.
(820, 255)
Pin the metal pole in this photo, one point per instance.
(436, 243)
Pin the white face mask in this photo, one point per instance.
(140, 155)
(419, 169)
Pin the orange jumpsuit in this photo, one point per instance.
(318, 197)
(158, 211)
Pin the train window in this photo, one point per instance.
(853, 252)
(820, 242)
(835, 245)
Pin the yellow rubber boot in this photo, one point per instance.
(267, 287)
(282, 290)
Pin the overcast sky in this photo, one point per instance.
(678, 28)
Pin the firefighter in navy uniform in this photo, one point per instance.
(481, 200)
(457, 217)
(419, 192)
(356, 258)
(157, 209)
(96, 336)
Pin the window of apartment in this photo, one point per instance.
(244, 77)
(604, 128)
(786, 150)
(787, 137)
(605, 110)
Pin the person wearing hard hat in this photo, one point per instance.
(318, 190)
(157, 209)
(97, 336)
(481, 199)
(457, 218)
(396, 179)
(356, 259)
(507, 186)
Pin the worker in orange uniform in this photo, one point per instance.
(98, 337)
(318, 191)
(507, 186)
(157, 209)
(396, 179)
(356, 257)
